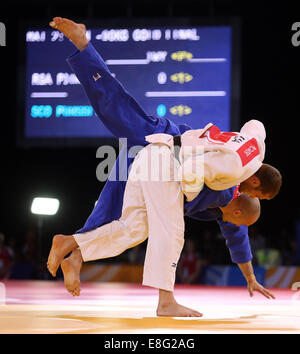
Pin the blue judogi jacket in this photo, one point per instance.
(123, 116)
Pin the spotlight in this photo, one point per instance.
(45, 206)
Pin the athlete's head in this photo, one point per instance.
(242, 210)
(264, 184)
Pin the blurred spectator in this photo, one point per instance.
(296, 241)
(23, 268)
(268, 257)
(207, 247)
(29, 247)
(289, 254)
(11, 245)
(6, 258)
(190, 264)
(286, 246)
(257, 242)
(265, 254)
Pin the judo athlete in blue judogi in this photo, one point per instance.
(107, 231)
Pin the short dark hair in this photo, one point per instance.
(270, 180)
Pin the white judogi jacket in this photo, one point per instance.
(221, 160)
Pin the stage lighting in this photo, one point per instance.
(45, 206)
(42, 207)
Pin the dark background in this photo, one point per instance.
(270, 80)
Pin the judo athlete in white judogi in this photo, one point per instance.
(154, 195)
(153, 209)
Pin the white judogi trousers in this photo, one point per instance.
(153, 208)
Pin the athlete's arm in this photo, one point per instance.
(253, 285)
(237, 240)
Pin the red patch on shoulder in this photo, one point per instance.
(248, 151)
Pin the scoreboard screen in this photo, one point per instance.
(181, 73)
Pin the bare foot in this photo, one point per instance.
(76, 32)
(168, 306)
(71, 269)
(61, 246)
(175, 310)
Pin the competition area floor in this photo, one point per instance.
(114, 308)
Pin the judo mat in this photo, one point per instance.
(45, 307)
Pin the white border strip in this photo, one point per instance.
(207, 60)
(49, 94)
(127, 62)
(184, 93)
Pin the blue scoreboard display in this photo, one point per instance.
(182, 73)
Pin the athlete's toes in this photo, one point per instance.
(58, 20)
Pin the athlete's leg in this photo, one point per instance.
(115, 107)
(110, 239)
(164, 203)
